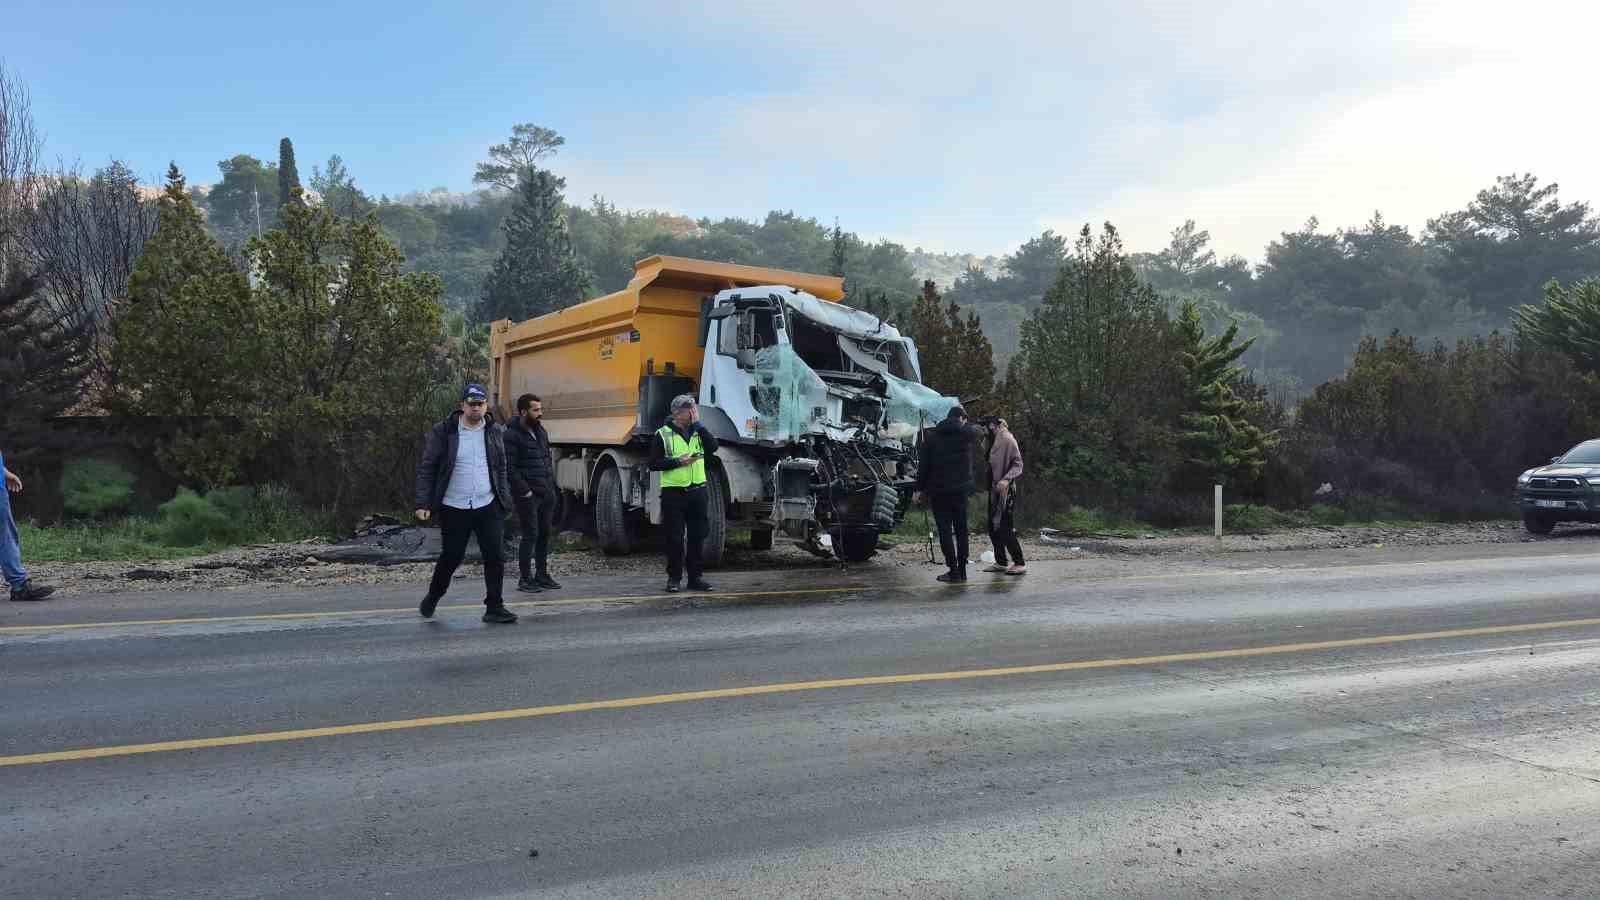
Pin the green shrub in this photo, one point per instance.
(1253, 517)
(1086, 520)
(94, 488)
(190, 520)
(240, 514)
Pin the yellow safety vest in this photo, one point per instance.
(682, 476)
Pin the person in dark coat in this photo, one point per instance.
(944, 478)
(528, 461)
(462, 479)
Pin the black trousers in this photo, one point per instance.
(1003, 528)
(460, 524)
(950, 513)
(535, 517)
(684, 509)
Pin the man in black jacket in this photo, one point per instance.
(528, 459)
(944, 477)
(462, 479)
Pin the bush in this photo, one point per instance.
(235, 514)
(191, 519)
(93, 488)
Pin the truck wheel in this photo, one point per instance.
(716, 542)
(761, 538)
(1538, 524)
(610, 516)
(855, 543)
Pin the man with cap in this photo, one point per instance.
(462, 479)
(678, 451)
(944, 477)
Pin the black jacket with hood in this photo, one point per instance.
(945, 465)
(439, 462)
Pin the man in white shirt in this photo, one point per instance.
(462, 478)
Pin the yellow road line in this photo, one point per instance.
(269, 737)
(336, 613)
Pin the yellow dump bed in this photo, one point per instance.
(585, 361)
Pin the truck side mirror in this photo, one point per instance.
(747, 358)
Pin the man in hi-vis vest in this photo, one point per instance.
(679, 453)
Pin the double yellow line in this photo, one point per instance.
(531, 712)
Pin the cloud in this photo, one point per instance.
(963, 126)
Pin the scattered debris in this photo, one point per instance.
(149, 575)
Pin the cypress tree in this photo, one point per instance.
(288, 175)
(839, 257)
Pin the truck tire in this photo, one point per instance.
(855, 543)
(610, 516)
(761, 538)
(1537, 523)
(716, 542)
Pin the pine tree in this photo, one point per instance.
(189, 344)
(1220, 444)
(957, 359)
(537, 272)
(288, 175)
(839, 257)
(1567, 323)
(44, 356)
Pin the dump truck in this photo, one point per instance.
(818, 407)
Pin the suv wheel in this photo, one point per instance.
(1537, 523)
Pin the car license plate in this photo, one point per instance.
(1551, 504)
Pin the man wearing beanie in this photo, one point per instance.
(944, 477)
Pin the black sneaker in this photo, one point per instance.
(529, 585)
(544, 580)
(30, 592)
(499, 615)
(954, 576)
(429, 604)
(699, 584)
(672, 587)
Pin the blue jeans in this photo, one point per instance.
(10, 540)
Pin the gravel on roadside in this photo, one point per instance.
(295, 564)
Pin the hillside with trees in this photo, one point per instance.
(1371, 357)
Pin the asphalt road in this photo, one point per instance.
(1353, 725)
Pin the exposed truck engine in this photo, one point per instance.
(818, 407)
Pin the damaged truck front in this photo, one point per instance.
(817, 407)
(829, 399)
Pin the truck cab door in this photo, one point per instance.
(727, 374)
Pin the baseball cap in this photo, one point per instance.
(474, 392)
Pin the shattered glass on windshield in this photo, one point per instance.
(788, 394)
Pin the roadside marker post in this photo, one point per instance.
(1216, 517)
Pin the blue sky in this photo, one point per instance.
(954, 126)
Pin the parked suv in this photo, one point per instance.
(1567, 490)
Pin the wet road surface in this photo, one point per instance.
(1421, 725)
